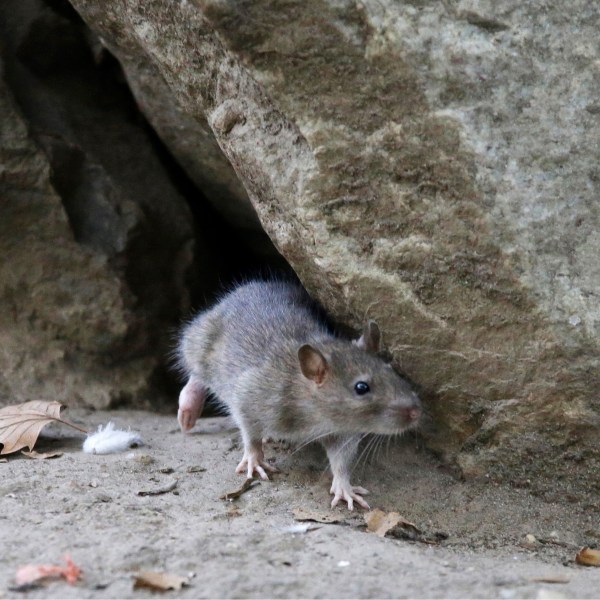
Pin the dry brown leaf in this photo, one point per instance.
(28, 574)
(21, 424)
(380, 522)
(247, 485)
(41, 455)
(392, 524)
(301, 514)
(160, 582)
(588, 557)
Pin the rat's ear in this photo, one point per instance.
(370, 338)
(313, 364)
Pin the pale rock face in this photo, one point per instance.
(522, 85)
(430, 165)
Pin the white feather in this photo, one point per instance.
(108, 440)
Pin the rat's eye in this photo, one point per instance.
(361, 388)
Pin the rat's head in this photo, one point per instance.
(356, 390)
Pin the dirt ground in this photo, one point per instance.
(88, 506)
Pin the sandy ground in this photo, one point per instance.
(88, 506)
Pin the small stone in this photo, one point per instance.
(195, 469)
(530, 542)
(547, 594)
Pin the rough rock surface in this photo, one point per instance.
(431, 165)
(96, 242)
(59, 302)
(195, 148)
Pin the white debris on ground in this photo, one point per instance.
(108, 440)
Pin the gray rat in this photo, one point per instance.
(282, 374)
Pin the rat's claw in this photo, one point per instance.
(348, 494)
(254, 461)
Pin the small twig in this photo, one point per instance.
(162, 490)
(550, 579)
(247, 485)
(557, 543)
(73, 425)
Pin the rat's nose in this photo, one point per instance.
(410, 415)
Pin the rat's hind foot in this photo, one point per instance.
(191, 403)
(342, 490)
(254, 460)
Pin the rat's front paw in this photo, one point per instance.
(254, 461)
(348, 493)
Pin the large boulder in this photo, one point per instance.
(433, 166)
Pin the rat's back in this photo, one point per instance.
(254, 323)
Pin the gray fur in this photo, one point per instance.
(245, 350)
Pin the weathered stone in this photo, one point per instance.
(193, 145)
(432, 166)
(59, 302)
(96, 243)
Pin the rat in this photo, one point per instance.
(271, 360)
